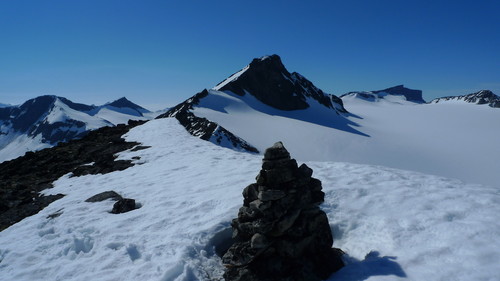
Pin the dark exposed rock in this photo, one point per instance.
(281, 233)
(400, 90)
(202, 127)
(104, 196)
(123, 205)
(270, 82)
(22, 179)
(481, 97)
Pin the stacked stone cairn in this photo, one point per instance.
(281, 233)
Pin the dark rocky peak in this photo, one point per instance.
(401, 90)
(125, 103)
(280, 232)
(270, 82)
(481, 97)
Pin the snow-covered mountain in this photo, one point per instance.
(47, 120)
(481, 97)
(392, 224)
(394, 127)
(397, 94)
(393, 221)
(264, 86)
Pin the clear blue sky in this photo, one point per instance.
(158, 53)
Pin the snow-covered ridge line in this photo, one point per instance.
(204, 128)
(231, 78)
(480, 97)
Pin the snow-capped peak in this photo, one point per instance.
(269, 81)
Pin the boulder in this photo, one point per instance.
(123, 205)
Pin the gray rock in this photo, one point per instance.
(271, 195)
(104, 196)
(276, 152)
(259, 241)
(123, 205)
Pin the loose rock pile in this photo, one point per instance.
(280, 232)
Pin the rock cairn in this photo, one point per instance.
(281, 233)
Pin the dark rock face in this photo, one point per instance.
(281, 233)
(104, 196)
(23, 178)
(202, 127)
(270, 82)
(123, 205)
(481, 97)
(125, 103)
(400, 90)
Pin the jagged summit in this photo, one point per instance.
(270, 82)
(397, 91)
(480, 97)
(125, 103)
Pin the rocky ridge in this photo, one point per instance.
(281, 233)
(23, 178)
(204, 128)
(481, 97)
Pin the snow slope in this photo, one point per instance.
(452, 140)
(393, 224)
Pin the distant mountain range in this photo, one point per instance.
(232, 114)
(263, 103)
(397, 91)
(47, 120)
(481, 97)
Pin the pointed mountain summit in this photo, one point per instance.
(481, 97)
(399, 92)
(269, 81)
(263, 90)
(124, 103)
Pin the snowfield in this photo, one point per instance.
(393, 224)
(452, 139)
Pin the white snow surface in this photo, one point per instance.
(454, 140)
(231, 78)
(117, 115)
(61, 112)
(393, 224)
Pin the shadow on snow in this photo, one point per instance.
(372, 265)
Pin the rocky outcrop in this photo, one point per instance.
(481, 97)
(23, 178)
(204, 128)
(104, 196)
(400, 90)
(269, 81)
(123, 205)
(281, 233)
